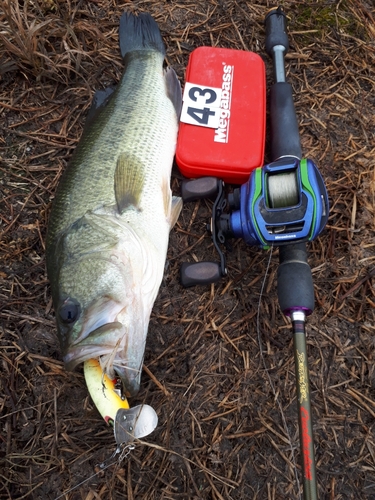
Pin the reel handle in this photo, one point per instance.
(205, 272)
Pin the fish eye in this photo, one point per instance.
(69, 311)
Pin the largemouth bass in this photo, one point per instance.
(109, 225)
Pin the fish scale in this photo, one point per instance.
(94, 161)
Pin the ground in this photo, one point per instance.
(219, 367)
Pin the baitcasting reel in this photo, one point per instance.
(283, 202)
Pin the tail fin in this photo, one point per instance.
(139, 33)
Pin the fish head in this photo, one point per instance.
(100, 314)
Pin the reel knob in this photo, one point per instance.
(200, 273)
(197, 189)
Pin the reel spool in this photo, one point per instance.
(282, 190)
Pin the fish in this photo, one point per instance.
(111, 217)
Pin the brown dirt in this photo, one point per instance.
(221, 432)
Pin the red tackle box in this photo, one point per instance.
(222, 129)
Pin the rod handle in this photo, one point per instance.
(276, 34)
(285, 140)
(295, 287)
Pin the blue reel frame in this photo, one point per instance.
(260, 224)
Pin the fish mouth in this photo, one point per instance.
(110, 344)
(103, 340)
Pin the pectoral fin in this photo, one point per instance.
(176, 209)
(129, 182)
(172, 208)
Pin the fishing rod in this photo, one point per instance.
(283, 204)
(294, 280)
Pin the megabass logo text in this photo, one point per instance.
(222, 132)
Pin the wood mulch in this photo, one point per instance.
(219, 366)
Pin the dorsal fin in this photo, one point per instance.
(99, 101)
(173, 87)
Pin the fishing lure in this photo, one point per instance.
(128, 423)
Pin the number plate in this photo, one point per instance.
(201, 105)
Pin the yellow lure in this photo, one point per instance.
(102, 391)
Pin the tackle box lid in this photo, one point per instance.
(222, 128)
